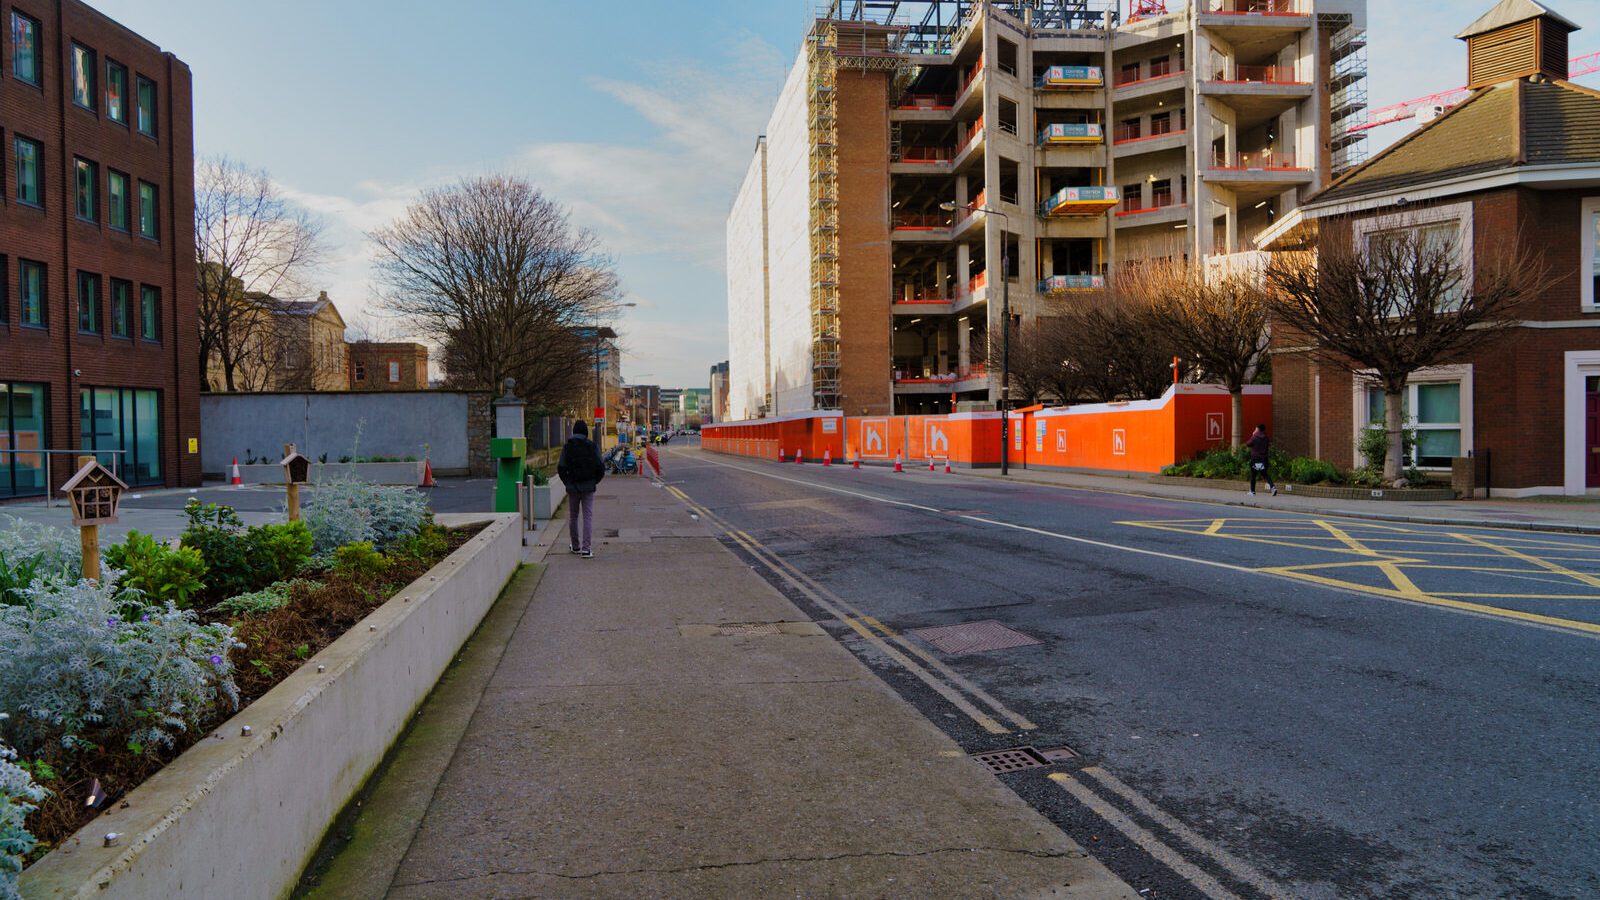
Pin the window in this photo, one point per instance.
(128, 420)
(1433, 228)
(147, 211)
(30, 292)
(121, 308)
(147, 107)
(1437, 408)
(88, 303)
(1589, 272)
(88, 177)
(117, 199)
(116, 92)
(1161, 123)
(24, 48)
(83, 72)
(1161, 192)
(1128, 73)
(149, 312)
(22, 435)
(28, 165)
(361, 370)
(394, 372)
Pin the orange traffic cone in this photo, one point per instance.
(780, 454)
(236, 480)
(427, 473)
(858, 461)
(827, 456)
(947, 467)
(799, 457)
(897, 466)
(930, 464)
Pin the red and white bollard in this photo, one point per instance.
(236, 480)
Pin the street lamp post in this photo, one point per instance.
(1005, 330)
(607, 333)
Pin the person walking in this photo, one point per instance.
(581, 470)
(1259, 443)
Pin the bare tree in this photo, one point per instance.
(249, 242)
(1111, 351)
(1218, 324)
(1407, 300)
(494, 273)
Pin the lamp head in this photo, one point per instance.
(948, 206)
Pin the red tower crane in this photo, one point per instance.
(1144, 9)
(1577, 67)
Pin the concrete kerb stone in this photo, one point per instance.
(239, 815)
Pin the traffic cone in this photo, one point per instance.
(897, 466)
(947, 467)
(799, 457)
(236, 480)
(780, 454)
(930, 464)
(858, 461)
(827, 456)
(427, 473)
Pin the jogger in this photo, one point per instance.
(1259, 443)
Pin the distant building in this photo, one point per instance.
(376, 366)
(291, 345)
(719, 394)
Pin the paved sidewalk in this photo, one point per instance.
(607, 734)
(1554, 514)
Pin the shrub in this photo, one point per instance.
(157, 571)
(344, 512)
(1305, 470)
(540, 479)
(255, 603)
(29, 552)
(242, 560)
(18, 797)
(428, 543)
(278, 552)
(86, 664)
(358, 560)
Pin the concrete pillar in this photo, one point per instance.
(941, 275)
(961, 190)
(963, 267)
(963, 342)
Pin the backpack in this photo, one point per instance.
(583, 464)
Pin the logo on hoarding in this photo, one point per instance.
(1214, 426)
(1119, 442)
(938, 441)
(873, 432)
(1061, 440)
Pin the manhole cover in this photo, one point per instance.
(1013, 760)
(974, 637)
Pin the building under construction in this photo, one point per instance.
(923, 157)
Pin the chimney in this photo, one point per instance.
(1516, 39)
(322, 297)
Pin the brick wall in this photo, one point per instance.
(864, 273)
(58, 355)
(372, 361)
(480, 428)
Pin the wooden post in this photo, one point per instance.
(89, 540)
(293, 489)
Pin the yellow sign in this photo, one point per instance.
(194, 445)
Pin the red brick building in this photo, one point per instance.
(378, 366)
(1518, 161)
(98, 340)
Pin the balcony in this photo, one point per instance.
(1252, 8)
(1080, 201)
(1161, 211)
(1069, 77)
(1256, 93)
(1258, 166)
(970, 93)
(912, 378)
(1237, 20)
(1071, 134)
(923, 108)
(1158, 80)
(914, 227)
(920, 301)
(922, 160)
(1062, 285)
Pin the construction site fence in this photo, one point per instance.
(1135, 437)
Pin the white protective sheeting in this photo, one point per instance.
(789, 244)
(747, 334)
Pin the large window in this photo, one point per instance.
(83, 77)
(88, 303)
(30, 292)
(24, 48)
(27, 153)
(117, 92)
(147, 107)
(128, 420)
(87, 178)
(149, 312)
(1589, 239)
(22, 435)
(148, 222)
(1436, 411)
(121, 308)
(1432, 229)
(117, 200)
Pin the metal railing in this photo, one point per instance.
(1264, 160)
(929, 155)
(48, 494)
(1257, 75)
(1253, 8)
(926, 101)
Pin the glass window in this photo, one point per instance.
(88, 303)
(1437, 423)
(147, 107)
(88, 178)
(121, 308)
(30, 292)
(24, 48)
(361, 370)
(128, 420)
(1590, 236)
(116, 92)
(27, 171)
(117, 199)
(394, 373)
(1438, 403)
(83, 72)
(22, 434)
(147, 210)
(149, 312)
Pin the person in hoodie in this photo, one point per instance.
(580, 469)
(1259, 443)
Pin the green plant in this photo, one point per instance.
(428, 543)
(1305, 470)
(540, 479)
(344, 511)
(157, 571)
(358, 560)
(277, 552)
(242, 560)
(255, 603)
(19, 795)
(29, 552)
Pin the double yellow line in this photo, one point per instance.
(977, 704)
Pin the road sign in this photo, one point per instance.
(1119, 442)
(1214, 426)
(599, 412)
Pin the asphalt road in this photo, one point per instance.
(1261, 703)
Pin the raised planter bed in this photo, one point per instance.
(544, 498)
(1321, 491)
(240, 815)
(406, 473)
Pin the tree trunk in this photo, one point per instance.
(1394, 459)
(1237, 397)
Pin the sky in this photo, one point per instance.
(638, 115)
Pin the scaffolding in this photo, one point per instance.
(823, 129)
(1347, 102)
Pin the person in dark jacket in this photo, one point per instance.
(1259, 443)
(580, 469)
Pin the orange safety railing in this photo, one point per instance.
(1258, 75)
(964, 213)
(1121, 134)
(919, 294)
(974, 131)
(971, 76)
(926, 101)
(925, 154)
(978, 282)
(1268, 160)
(1252, 8)
(920, 221)
(1126, 78)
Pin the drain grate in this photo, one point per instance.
(733, 629)
(974, 637)
(1013, 760)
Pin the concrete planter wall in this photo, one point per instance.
(407, 473)
(240, 816)
(544, 498)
